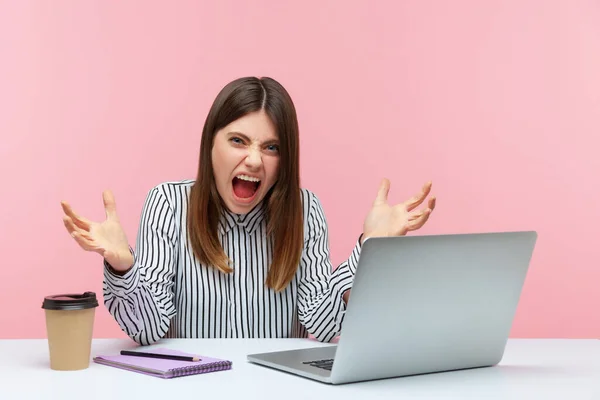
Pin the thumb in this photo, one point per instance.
(110, 207)
(382, 194)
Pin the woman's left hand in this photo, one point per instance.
(397, 220)
(385, 220)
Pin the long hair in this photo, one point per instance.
(283, 202)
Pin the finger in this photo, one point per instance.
(432, 203)
(414, 201)
(419, 222)
(80, 221)
(85, 243)
(110, 206)
(382, 194)
(415, 215)
(71, 228)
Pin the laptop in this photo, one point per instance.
(421, 304)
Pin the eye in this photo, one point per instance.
(273, 148)
(236, 140)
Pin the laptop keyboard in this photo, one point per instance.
(324, 364)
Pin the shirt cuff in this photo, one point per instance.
(353, 260)
(122, 285)
(343, 276)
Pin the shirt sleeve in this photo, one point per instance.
(321, 306)
(141, 300)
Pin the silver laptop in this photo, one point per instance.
(421, 304)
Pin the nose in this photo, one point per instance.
(253, 159)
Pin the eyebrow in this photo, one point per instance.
(270, 141)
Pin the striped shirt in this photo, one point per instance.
(169, 293)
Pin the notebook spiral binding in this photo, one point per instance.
(194, 369)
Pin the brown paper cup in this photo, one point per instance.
(69, 326)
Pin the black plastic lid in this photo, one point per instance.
(70, 301)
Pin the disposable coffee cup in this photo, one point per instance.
(69, 327)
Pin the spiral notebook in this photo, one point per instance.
(165, 368)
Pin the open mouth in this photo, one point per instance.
(245, 187)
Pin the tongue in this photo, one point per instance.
(243, 189)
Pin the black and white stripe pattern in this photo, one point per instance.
(168, 293)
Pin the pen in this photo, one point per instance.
(155, 355)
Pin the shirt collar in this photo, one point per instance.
(249, 221)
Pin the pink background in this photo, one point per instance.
(496, 101)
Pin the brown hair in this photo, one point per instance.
(283, 202)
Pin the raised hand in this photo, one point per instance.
(106, 238)
(397, 220)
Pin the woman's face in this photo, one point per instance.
(245, 161)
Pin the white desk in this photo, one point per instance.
(531, 369)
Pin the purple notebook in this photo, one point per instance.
(165, 368)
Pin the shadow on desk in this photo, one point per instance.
(496, 376)
(42, 360)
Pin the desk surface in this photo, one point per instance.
(530, 369)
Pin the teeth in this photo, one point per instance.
(248, 178)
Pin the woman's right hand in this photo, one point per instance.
(106, 238)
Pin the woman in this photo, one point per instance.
(242, 250)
